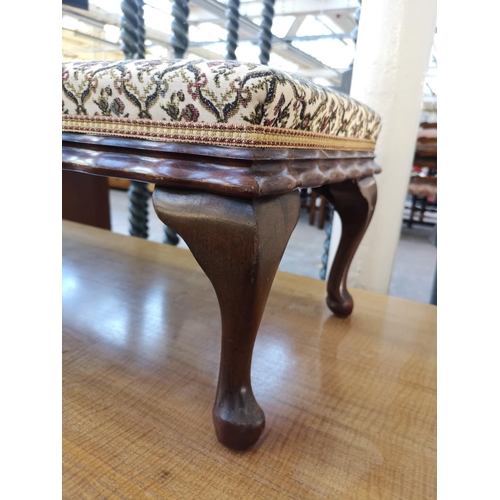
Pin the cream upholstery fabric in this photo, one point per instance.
(212, 102)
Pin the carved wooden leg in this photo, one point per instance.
(355, 202)
(239, 244)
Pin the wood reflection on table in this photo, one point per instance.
(350, 403)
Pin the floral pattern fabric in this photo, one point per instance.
(224, 102)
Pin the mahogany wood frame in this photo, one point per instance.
(236, 208)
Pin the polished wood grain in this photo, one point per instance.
(350, 402)
(239, 172)
(354, 201)
(239, 244)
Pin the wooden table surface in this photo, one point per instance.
(350, 403)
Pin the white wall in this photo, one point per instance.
(392, 56)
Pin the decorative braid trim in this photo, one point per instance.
(212, 133)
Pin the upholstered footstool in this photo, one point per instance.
(228, 145)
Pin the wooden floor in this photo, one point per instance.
(350, 403)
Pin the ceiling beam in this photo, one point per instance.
(343, 20)
(333, 36)
(295, 26)
(97, 16)
(281, 8)
(248, 28)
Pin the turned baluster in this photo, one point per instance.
(133, 37)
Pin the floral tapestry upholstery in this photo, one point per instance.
(212, 102)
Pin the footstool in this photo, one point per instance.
(227, 146)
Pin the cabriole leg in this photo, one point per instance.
(239, 244)
(354, 200)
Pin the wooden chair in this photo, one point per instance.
(318, 210)
(423, 182)
(228, 145)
